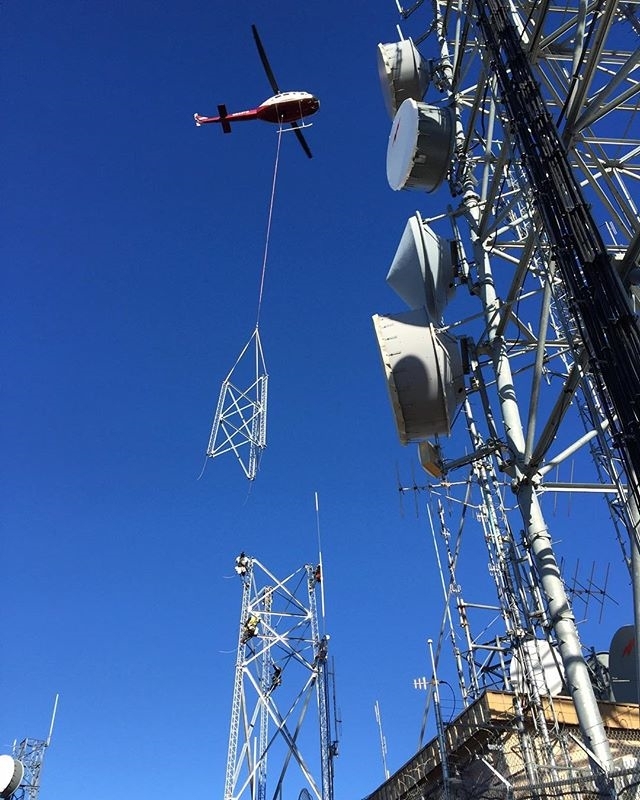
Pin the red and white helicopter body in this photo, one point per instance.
(283, 107)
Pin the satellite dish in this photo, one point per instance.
(403, 74)
(622, 665)
(547, 669)
(11, 773)
(424, 373)
(420, 147)
(422, 272)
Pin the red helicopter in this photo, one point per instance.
(282, 107)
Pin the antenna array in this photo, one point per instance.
(514, 110)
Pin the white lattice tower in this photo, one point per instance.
(280, 669)
(536, 398)
(240, 419)
(30, 752)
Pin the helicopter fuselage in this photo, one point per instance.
(284, 107)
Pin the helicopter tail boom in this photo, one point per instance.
(224, 119)
(226, 125)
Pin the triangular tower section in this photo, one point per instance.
(240, 421)
(281, 729)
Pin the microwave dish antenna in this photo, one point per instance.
(536, 666)
(424, 373)
(420, 146)
(531, 128)
(403, 74)
(422, 271)
(11, 772)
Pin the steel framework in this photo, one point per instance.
(240, 419)
(546, 233)
(281, 664)
(30, 752)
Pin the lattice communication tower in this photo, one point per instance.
(29, 753)
(281, 712)
(521, 343)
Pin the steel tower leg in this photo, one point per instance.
(634, 535)
(322, 692)
(246, 574)
(536, 531)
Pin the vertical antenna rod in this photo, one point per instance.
(442, 742)
(320, 564)
(383, 741)
(53, 719)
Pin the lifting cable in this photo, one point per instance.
(240, 420)
(256, 334)
(266, 244)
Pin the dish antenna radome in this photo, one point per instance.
(422, 271)
(545, 664)
(420, 147)
(11, 773)
(622, 665)
(403, 74)
(424, 373)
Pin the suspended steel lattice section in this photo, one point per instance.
(529, 113)
(280, 719)
(240, 421)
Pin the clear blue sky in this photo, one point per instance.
(132, 250)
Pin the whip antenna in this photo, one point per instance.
(321, 565)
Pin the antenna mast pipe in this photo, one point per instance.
(383, 741)
(53, 719)
(442, 742)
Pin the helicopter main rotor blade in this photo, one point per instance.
(301, 139)
(265, 61)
